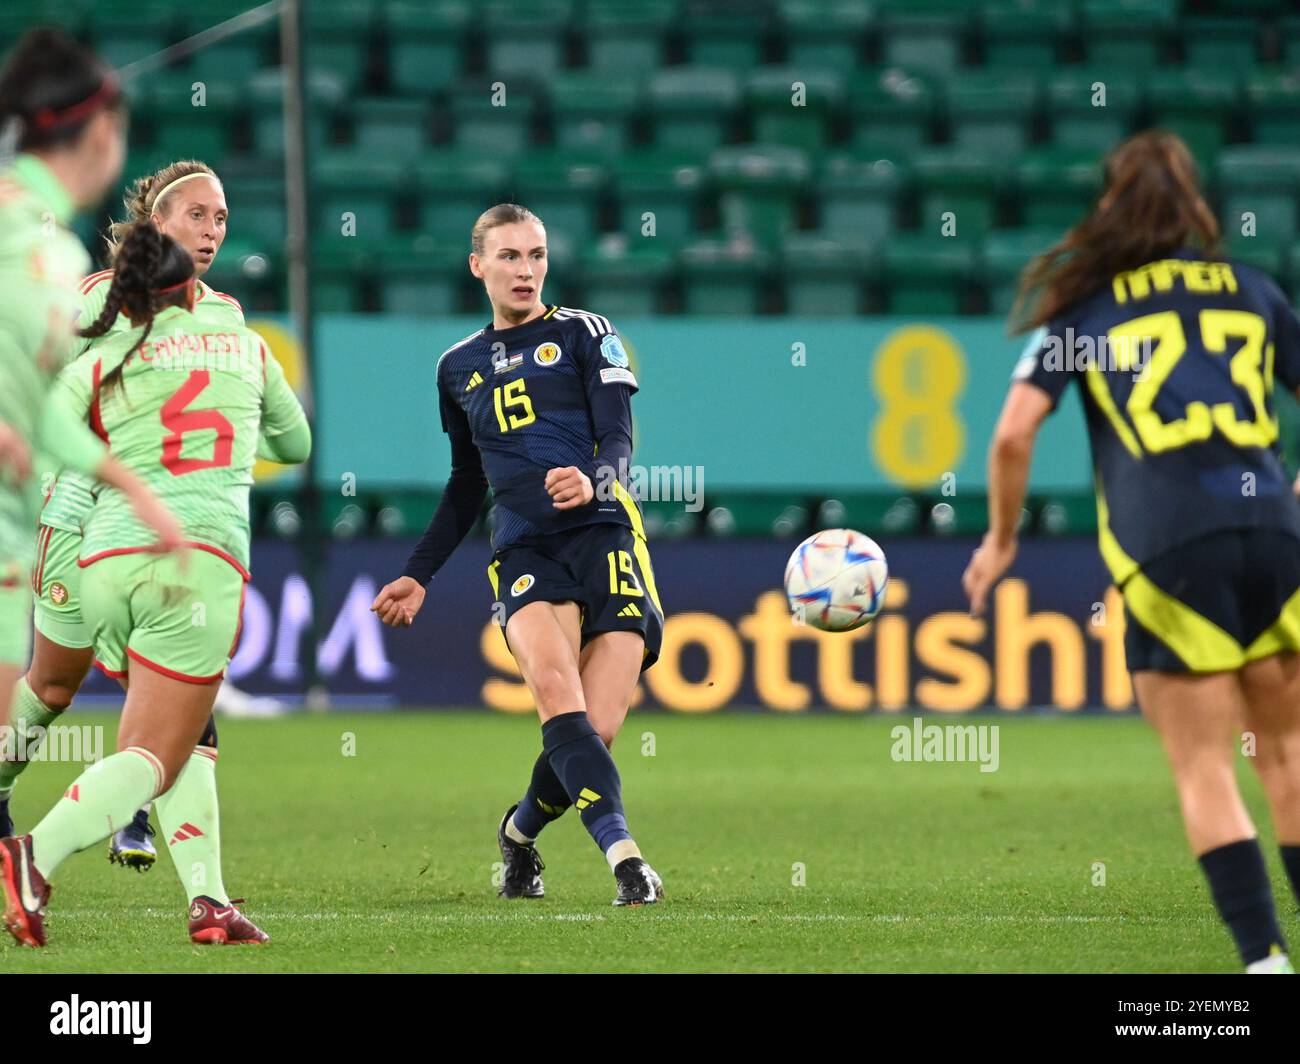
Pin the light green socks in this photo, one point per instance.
(103, 800)
(191, 825)
(28, 714)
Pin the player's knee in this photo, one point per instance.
(56, 695)
(556, 691)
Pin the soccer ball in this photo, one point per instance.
(836, 580)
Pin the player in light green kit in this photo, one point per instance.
(184, 406)
(186, 201)
(65, 108)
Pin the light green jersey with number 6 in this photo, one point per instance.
(185, 416)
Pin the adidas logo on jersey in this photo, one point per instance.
(630, 610)
(474, 381)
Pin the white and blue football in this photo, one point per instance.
(836, 580)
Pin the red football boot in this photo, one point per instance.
(214, 924)
(25, 891)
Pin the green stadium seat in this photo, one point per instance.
(991, 110)
(890, 111)
(124, 32)
(1195, 104)
(1220, 43)
(336, 39)
(563, 191)
(1070, 514)
(360, 185)
(626, 276)
(823, 276)
(723, 278)
(777, 119)
(190, 131)
(341, 269)
(666, 185)
(419, 274)
(498, 131)
(405, 513)
(526, 36)
(323, 92)
(1023, 36)
(453, 188)
(1273, 259)
(391, 126)
(257, 210)
(926, 275)
(824, 35)
(236, 58)
(426, 42)
(879, 514)
(924, 34)
(17, 20)
(758, 189)
(1273, 104)
(627, 37)
(1006, 253)
(957, 182)
(1288, 32)
(964, 516)
(1056, 187)
(1127, 33)
(1263, 179)
(247, 266)
(592, 112)
(1092, 108)
(724, 33)
(859, 197)
(692, 107)
(668, 520)
(755, 514)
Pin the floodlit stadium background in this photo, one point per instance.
(806, 218)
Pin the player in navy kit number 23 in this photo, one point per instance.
(538, 406)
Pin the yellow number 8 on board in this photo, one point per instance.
(919, 373)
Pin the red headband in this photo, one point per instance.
(48, 117)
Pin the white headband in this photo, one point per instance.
(197, 173)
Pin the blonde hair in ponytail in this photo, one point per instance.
(141, 199)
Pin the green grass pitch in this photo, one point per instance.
(383, 861)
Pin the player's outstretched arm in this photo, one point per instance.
(398, 603)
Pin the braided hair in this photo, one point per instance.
(150, 273)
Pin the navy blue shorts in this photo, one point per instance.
(1215, 603)
(604, 568)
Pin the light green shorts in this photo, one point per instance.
(15, 615)
(57, 583)
(176, 614)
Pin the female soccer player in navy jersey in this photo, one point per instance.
(1196, 518)
(538, 406)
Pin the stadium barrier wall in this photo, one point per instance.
(813, 405)
(1054, 637)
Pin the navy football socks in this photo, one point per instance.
(544, 801)
(590, 778)
(1239, 883)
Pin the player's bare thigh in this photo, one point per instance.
(1272, 689)
(545, 638)
(610, 665)
(57, 672)
(1199, 718)
(165, 716)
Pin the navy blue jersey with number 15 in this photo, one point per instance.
(526, 396)
(1176, 361)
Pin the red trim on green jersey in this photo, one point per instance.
(172, 673)
(82, 563)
